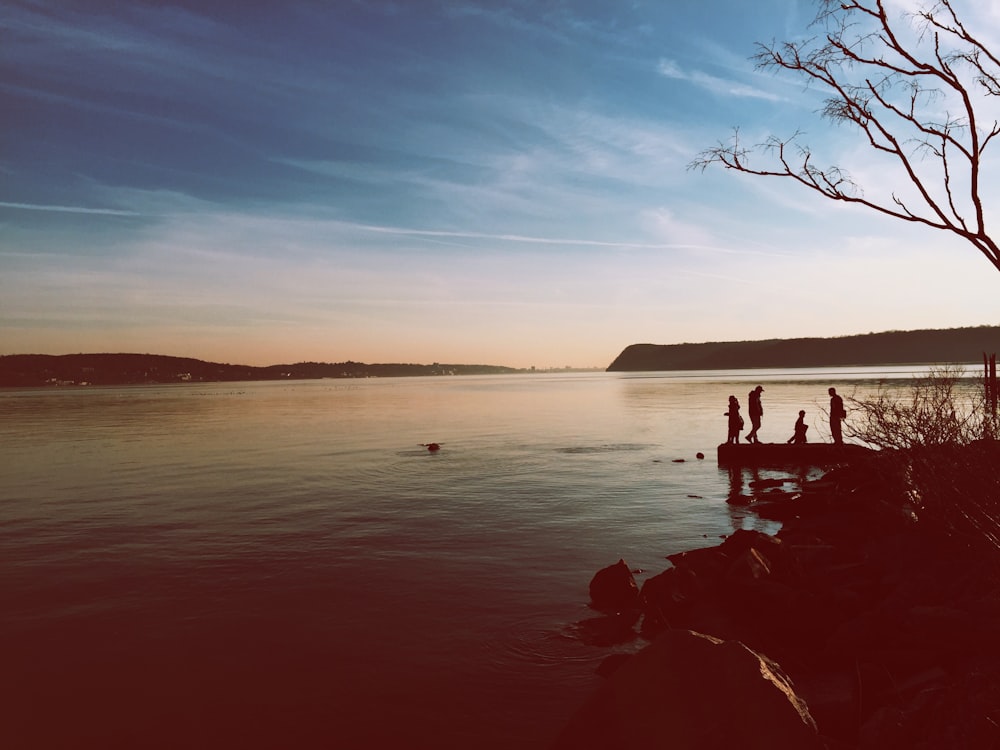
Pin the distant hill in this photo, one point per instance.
(952, 345)
(19, 370)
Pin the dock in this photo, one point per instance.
(780, 455)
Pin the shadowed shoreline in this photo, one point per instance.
(874, 608)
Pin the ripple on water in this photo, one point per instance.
(540, 643)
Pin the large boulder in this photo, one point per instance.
(709, 588)
(613, 589)
(688, 691)
(681, 597)
(752, 548)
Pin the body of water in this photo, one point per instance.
(282, 564)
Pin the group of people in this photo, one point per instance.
(756, 413)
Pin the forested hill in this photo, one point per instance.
(130, 369)
(953, 345)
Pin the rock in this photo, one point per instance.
(743, 539)
(689, 691)
(680, 598)
(776, 618)
(708, 588)
(832, 695)
(881, 603)
(751, 565)
(886, 728)
(611, 663)
(613, 589)
(780, 558)
(706, 562)
(760, 484)
(664, 598)
(780, 506)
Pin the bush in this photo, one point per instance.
(936, 438)
(943, 407)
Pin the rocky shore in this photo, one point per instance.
(870, 620)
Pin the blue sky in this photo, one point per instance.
(480, 181)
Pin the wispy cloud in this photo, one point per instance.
(701, 242)
(68, 209)
(511, 237)
(721, 86)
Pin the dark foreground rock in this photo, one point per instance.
(688, 691)
(613, 589)
(880, 604)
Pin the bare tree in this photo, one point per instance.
(915, 86)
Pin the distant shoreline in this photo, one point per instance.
(892, 348)
(373, 373)
(922, 347)
(53, 370)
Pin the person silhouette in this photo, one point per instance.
(800, 429)
(837, 415)
(735, 421)
(756, 412)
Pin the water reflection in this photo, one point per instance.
(300, 523)
(750, 486)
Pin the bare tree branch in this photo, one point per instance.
(885, 77)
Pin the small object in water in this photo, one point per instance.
(678, 460)
(699, 455)
(432, 446)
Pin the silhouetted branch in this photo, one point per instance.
(887, 84)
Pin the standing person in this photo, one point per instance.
(837, 415)
(735, 421)
(756, 412)
(800, 429)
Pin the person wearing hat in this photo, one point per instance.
(756, 412)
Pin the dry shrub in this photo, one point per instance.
(935, 434)
(943, 407)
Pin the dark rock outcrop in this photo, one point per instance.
(688, 691)
(874, 598)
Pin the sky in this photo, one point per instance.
(459, 181)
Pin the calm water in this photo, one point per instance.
(283, 565)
